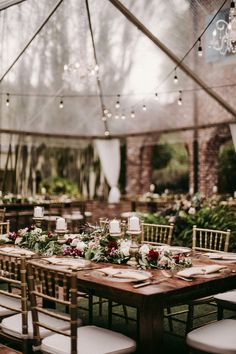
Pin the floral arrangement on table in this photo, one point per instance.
(96, 245)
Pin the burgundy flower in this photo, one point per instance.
(12, 236)
(153, 255)
(68, 241)
(50, 234)
(176, 258)
(71, 251)
(112, 245)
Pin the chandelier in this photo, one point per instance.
(224, 34)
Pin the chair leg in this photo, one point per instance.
(90, 305)
(109, 314)
(220, 312)
(189, 323)
(170, 322)
(100, 306)
(125, 313)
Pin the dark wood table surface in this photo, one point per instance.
(151, 300)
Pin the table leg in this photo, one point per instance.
(151, 328)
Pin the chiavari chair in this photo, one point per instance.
(83, 339)
(156, 234)
(2, 214)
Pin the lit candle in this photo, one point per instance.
(235, 194)
(215, 189)
(134, 224)
(38, 212)
(114, 227)
(61, 224)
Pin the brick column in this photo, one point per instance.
(138, 166)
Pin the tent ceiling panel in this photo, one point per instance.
(130, 65)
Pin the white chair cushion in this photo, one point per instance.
(229, 296)
(9, 302)
(13, 325)
(218, 337)
(91, 340)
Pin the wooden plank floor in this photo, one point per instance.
(7, 350)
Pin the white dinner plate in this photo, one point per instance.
(121, 275)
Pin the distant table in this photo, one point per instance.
(151, 300)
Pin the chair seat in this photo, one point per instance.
(9, 302)
(218, 337)
(13, 325)
(225, 298)
(91, 340)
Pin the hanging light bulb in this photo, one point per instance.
(66, 67)
(117, 102)
(109, 115)
(156, 96)
(77, 65)
(8, 100)
(96, 68)
(116, 116)
(199, 50)
(144, 108)
(105, 110)
(104, 118)
(61, 104)
(132, 114)
(107, 133)
(180, 101)
(176, 78)
(123, 117)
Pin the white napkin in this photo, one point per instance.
(71, 262)
(124, 273)
(195, 271)
(223, 255)
(16, 251)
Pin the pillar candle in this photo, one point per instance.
(114, 227)
(235, 194)
(38, 212)
(134, 224)
(60, 224)
(214, 189)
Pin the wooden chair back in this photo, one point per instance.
(4, 227)
(55, 209)
(2, 214)
(59, 288)
(156, 233)
(13, 274)
(210, 240)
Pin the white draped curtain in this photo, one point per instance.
(109, 154)
(233, 133)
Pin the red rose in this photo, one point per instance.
(153, 255)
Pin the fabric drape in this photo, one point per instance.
(109, 154)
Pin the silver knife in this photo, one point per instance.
(149, 283)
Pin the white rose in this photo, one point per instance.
(81, 245)
(144, 249)
(18, 240)
(42, 238)
(74, 242)
(192, 211)
(124, 247)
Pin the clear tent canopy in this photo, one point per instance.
(59, 66)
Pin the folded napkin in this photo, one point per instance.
(223, 255)
(71, 262)
(125, 273)
(16, 251)
(195, 271)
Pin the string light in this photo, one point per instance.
(109, 115)
(8, 100)
(144, 108)
(156, 96)
(105, 111)
(117, 102)
(61, 104)
(123, 117)
(116, 116)
(132, 114)
(176, 78)
(199, 50)
(96, 68)
(180, 101)
(104, 118)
